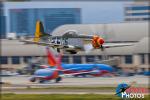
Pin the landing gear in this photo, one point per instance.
(58, 79)
(102, 48)
(41, 81)
(33, 79)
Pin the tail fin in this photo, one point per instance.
(39, 31)
(52, 61)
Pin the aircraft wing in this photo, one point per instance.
(54, 45)
(39, 76)
(110, 45)
(89, 47)
(29, 41)
(79, 73)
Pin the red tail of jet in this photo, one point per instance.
(53, 61)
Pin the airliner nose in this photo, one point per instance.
(43, 72)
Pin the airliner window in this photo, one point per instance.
(15, 60)
(3, 60)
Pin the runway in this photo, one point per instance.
(20, 85)
(95, 81)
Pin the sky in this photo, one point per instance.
(104, 12)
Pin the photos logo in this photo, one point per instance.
(124, 90)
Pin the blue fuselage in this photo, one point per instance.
(79, 67)
(75, 68)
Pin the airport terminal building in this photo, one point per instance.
(2, 21)
(137, 11)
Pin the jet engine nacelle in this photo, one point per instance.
(46, 74)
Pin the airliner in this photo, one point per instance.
(56, 69)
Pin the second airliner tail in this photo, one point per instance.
(53, 61)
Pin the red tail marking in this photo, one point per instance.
(51, 60)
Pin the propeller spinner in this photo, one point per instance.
(97, 42)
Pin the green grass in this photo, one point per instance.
(61, 97)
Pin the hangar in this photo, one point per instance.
(127, 31)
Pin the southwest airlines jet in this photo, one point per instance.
(56, 69)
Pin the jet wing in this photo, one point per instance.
(36, 76)
(79, 73)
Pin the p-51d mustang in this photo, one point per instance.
(56, 69)
(71, 42)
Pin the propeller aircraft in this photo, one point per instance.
(66, 43)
